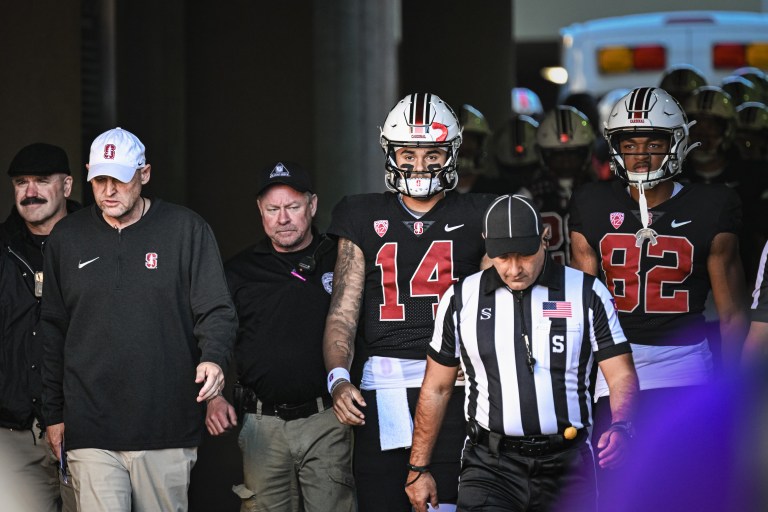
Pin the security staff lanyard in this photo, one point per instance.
(518, 295)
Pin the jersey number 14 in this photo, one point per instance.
(433, 276)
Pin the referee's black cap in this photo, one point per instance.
(512, 224)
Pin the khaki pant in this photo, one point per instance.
(29, 475)
(298, 465)
(132, 481)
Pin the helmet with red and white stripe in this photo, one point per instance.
(646, 112)
(421, 120)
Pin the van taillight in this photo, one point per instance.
(623, 59)
(614, 59)
(650, 58)
(757, 55)
(736, 55)
(728, 55)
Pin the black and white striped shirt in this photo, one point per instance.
(571, 322)
(760, 294)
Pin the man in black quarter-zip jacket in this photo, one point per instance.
(41, 183)
(138, 326)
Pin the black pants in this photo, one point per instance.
(380, 476)
(562, 481)
(678, 456)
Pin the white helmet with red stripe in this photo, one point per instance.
(421, 121)
(648, 111)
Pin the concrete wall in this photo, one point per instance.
(461, 51)
(40, 88)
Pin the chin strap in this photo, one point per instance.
(645, 232)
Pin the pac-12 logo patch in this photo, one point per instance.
(150, 261)
(617, 219)
(381, 227)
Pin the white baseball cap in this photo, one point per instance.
(117, 153)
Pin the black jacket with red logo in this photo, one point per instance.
(127, 316)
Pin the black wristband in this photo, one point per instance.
(418, 469)
(623, 426)
(337, 384)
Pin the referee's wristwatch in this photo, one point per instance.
(623, 426)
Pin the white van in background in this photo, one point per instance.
(634, 50)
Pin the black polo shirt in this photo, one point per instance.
(279, 348)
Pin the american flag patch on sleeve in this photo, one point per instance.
(556, 309)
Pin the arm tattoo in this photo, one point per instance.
(346, 301)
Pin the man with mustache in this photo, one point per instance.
(42, 184)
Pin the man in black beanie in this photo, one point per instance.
(41, 183)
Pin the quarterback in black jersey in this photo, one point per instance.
(660, 247)
(398, 253)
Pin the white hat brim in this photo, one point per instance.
(123, 173)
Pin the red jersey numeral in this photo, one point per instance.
(621, 264)
(560, 243)
(386, 260)
(432, 277)
(658, 276)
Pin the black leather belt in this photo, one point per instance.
(287, 412)
(527, 446)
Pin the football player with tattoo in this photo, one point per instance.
(399, 251)
(660, 247)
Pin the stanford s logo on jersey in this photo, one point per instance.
(150, 260)
(381, 226)
(109, 151)
(617, 219)
(418, 228)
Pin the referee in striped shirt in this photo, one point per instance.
(527, 333)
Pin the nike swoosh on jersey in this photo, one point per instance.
(453, 228)
(81, 265)
(676, 224)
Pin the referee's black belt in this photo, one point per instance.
(287, 412)
(527, 446)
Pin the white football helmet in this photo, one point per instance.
(752, 131)
(475, 134)
(680, 80)
(526, 102)
(421, 121)
(515, 143)
(648, 110)
(565, 128)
